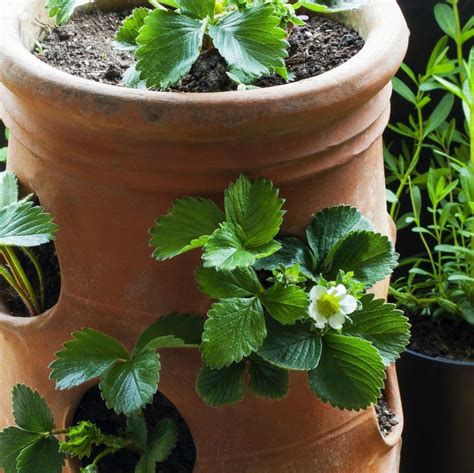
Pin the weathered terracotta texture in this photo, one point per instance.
(106, 161)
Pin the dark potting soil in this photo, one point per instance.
(442, 337)
(48, 260)
(84, 48)
(388, 420)
(182, 458)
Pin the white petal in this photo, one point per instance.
(320, 324)
(341, 291)
(317, 292)
(348, 304)
(336, 321)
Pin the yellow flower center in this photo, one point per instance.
(328, 305)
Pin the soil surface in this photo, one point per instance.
(84, 48)
(182, 458)
(442, 337)
(388, 420)
(49, 263)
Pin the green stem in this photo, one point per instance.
(18, 289)
(422, 301)
(24, 278)
(39, 273)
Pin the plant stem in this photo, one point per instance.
(24, 278)
(39, 273)
(18, 289)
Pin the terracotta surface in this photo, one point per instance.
(106, 161)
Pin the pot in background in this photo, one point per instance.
(106, 161)
(438, 403)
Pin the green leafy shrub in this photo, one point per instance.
(433, 175)
(4, 150)
(22, 225)
(168, 39)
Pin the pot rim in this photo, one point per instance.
(381, 23)
(442, 360)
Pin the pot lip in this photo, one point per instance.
(369, 70)
(441, 360)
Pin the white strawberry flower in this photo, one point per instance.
(331, 305)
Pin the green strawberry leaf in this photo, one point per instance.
(255, 207)
(286, 303)
(146, 464)
(168, 45)
(221, 386)
(188, 225)
(87, 356)
(369, 255)
(126, 36)
(241, 282)
(234, 329)
(330, 226)
(8, 189)
(94, 469)
(138, 429)
(23, 224)
(163, 439)
(42, 456)
(266, 380)
(252, 41)
(292, 252)
(30, 410)
(293, 347)
(12, 441)
(174, 330)
(350, 373)
(129, 385)
(227, 249)
(61, 10)
(80, 440)
(382, 325)
(198, 8)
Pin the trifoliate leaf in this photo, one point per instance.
(8, 188)
(197, 8)
(23, 224)
(187, 225)
(86, 357)
(80, 439)
(42, 456)
(369, 255)
(169, 44)
(293, 347)
(255, 208)
(234, 329)
(286, 303)
(163, 439)
(330, 226)
(30, 410)
(251, 40)
(131, 78)
(138, 430)
(350, 373)
(130, 385)
(12, 441)
(241, 282)
(292, 252)
(126, 37)
(221, 386)
(382, 325)
(61, 10)
(266, 380)
(227, 249)
(170, 331)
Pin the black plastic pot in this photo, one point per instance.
(438, 404)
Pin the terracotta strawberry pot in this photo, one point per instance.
(106, 161)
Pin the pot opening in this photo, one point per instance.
(92, 408)
(41, 269)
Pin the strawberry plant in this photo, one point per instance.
(23, 225)
(168, 38)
